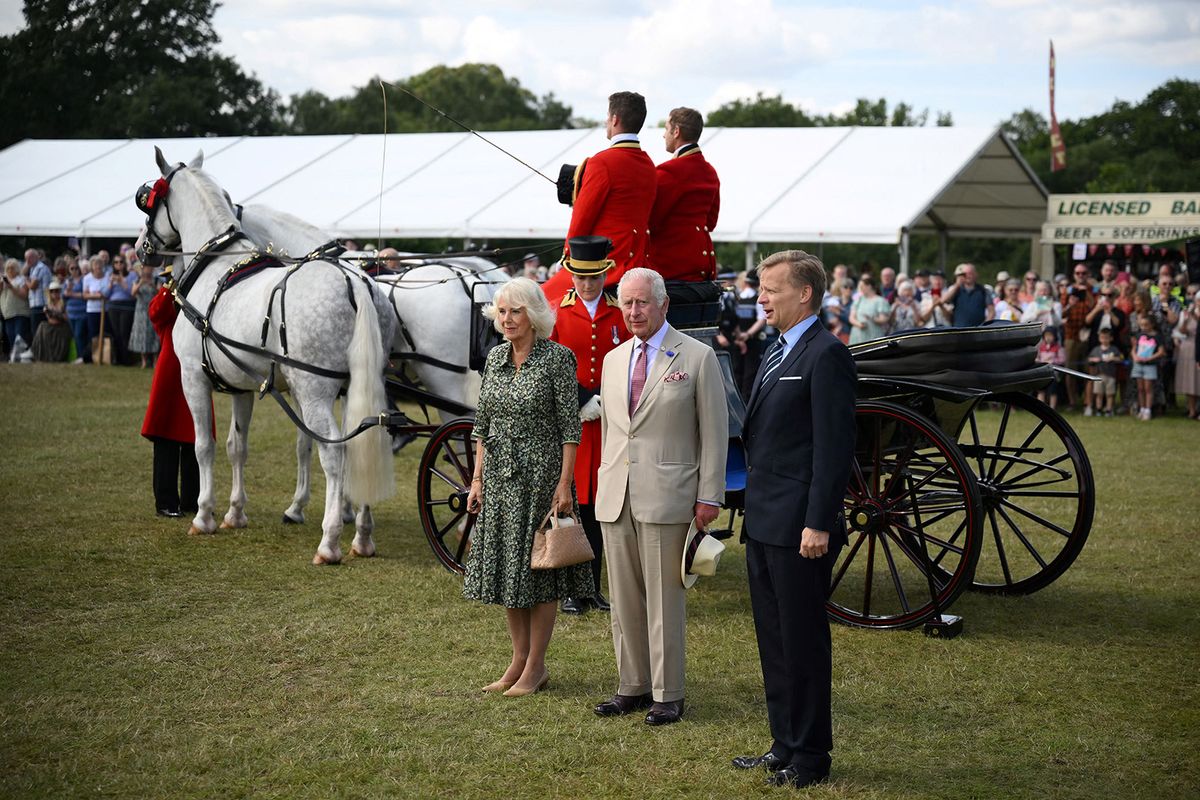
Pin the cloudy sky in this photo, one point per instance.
(981, 60)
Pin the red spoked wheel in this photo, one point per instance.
(911, 499)
(443, 481)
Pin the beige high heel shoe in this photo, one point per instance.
(498, 686)
(515, 692)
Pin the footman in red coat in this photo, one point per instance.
(588, 320)
(686, 204)
(168, 423)
(612, 193)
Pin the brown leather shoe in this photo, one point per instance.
(622, 704)
(665, 713)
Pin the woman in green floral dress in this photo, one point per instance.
(526, 430)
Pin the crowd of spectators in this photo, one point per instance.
(1137, 336)
(59, 313)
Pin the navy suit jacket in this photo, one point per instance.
(799, 437)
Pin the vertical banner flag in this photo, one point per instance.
(1058, 149)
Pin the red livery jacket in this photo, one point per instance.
(614, 200)
(590, 340)
(685, 211)
(167, 414)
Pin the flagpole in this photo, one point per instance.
(1058, 148)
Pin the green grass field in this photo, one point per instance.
(138, 662)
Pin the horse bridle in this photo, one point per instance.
(150, 198)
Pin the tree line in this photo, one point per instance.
(149, 68)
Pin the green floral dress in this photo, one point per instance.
(525, 417)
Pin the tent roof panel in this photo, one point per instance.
(777, 184)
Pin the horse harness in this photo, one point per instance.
(150, 200)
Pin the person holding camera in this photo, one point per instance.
(970, 301)
(14, 303)
(1104, 316)
(1076, 332)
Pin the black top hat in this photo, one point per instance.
(569, 178)
(587, 255)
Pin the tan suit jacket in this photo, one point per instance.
(672, 452)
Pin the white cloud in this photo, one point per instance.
(441, 33)
(487, 41)
(711, 37)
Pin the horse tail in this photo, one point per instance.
(369, 474)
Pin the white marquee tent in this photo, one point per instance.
(802, 185)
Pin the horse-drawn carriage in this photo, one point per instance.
(961, 479)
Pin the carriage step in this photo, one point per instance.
(944, 626)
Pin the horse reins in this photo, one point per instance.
(210, 250)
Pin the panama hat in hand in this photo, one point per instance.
(701, 552)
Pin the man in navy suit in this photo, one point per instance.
(799, 436)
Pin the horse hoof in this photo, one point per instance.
(194, 531)
(290, 521)
(362, 552)
(321, 561)
(229, 526)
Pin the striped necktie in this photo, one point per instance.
(639, 379)
(774, 359)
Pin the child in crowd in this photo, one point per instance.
(1105, 359)
(1148, 351)
(1050, 352)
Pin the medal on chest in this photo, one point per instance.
(616, 336)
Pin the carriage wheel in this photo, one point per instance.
(911, 498)
(443, 481)
(1037, 489)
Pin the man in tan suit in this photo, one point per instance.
(664, 430)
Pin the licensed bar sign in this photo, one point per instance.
(1121, 218)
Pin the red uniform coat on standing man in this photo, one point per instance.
(615, 199)
(685, 212)
(590, 340)
(167, 413)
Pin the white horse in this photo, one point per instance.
(429, 303)
(324, 330)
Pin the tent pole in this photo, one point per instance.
(749, 256)
(942, 249)
(903, 251)
(1041, 257)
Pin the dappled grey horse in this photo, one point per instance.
(333, 330)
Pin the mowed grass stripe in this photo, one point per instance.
(139, 662)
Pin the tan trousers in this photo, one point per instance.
(648, 605)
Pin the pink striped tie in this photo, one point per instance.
(639, 379)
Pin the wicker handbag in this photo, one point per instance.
(556, 545)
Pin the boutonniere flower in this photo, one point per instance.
(674, 377)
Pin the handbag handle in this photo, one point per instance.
(551, 520)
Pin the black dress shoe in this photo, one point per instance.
(169, 512)
(599, 603)
(768, 761)
(622, 704)
(796, 778)
(573, 605)
(665, 713)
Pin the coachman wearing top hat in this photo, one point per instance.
(611, 193)
(589, 322)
